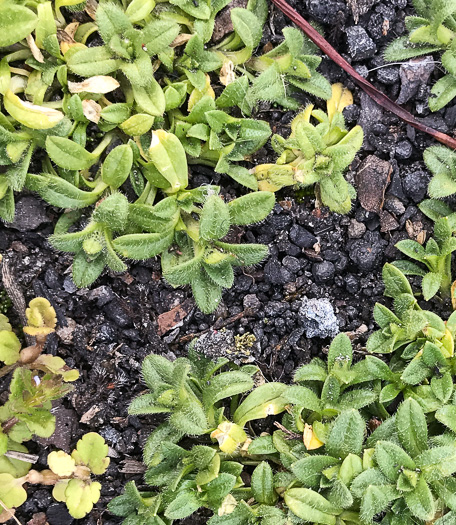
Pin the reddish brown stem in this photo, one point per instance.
(366, 86)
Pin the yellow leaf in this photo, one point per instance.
(311, 442)
(35, 117)
(41, 317)
(61, 463)
(341, 98)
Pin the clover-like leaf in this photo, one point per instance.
(12, 494)
(41, 317)
(81, 496)
(91, 450)
(61, 463)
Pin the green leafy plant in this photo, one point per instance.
(435, 256)
(316, 154)
(120, 102)
(334, 474)
(187, 227)
(343, 454)
(37, 380)
(433, 30)
(70, 475)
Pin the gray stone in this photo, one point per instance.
(251, 301)
(360, 44)
(356, 229)
(318, 318)
(30, 214)
(323, 272)
(302, 237)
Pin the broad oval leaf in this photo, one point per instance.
(69, 155)
(215, 218)
(16, 22)
(30, 115)
(412, 427)
(117, 166)
(311, 506)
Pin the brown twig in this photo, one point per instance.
(10, 512)
(21, 456)
(366, 86)
(289, 434)
(14, 292)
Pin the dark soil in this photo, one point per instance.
(108, 330)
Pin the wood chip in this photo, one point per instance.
(175, 317)
(372, 179)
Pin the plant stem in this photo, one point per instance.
(444, 269)
(103, 144)
(366, 86)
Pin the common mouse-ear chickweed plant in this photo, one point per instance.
(342, 455)
(38, 379)
(120, 105)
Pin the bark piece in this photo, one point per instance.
(372, 179)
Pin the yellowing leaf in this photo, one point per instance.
(4, 323)
(137, 124)
(229, 436)
(196, 95)
(311, 442)
(56, 365)
(341, 98)
(41, 317)
(58, 492)
(96, 84)
(61, 463)
(80, 497)
(35, 117)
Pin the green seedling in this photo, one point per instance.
(321, 466)
(433, 30)
(69, 474)
(37, 380)
(324, 390)
(316, 155)
(186, 227)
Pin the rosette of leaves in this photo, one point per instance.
(435, 256)
(186, 227)
(409, 326)
(70, 475)
(213, 137)
(201, 411)
(192, 391)
(422, 366)
(324, 390)
(316, 155)
(433, 30)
